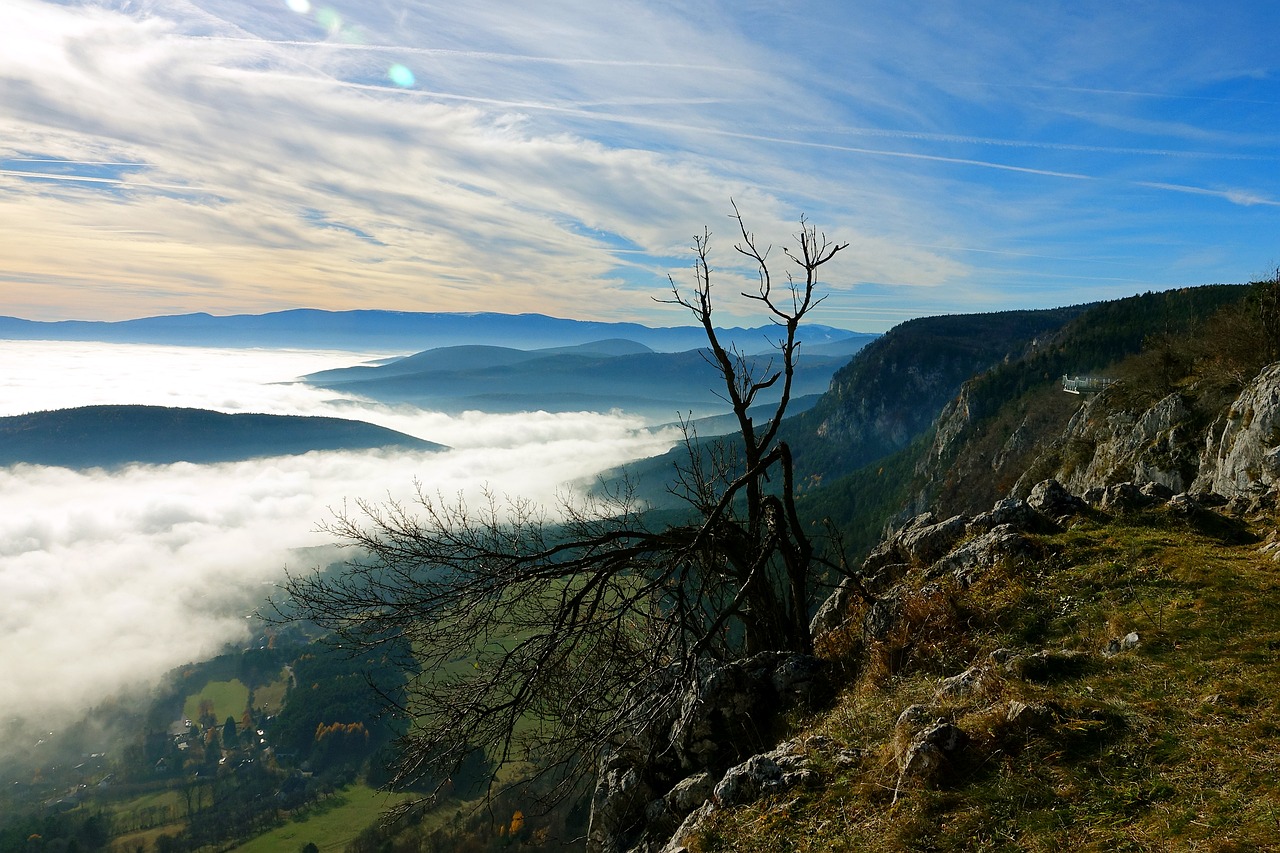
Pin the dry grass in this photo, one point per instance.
(1173, 745)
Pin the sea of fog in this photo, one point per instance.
(110, 578)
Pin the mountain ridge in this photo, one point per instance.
(107, 436)
(375, 329)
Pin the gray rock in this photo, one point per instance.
(913, 720)
(1052, 498)
(834, 611)
(763, 775)
(1241, 454)
(972, 680)
(1270, 546)
(796, 680)
(690, 793)
(924, 751)
(1025, 717)
(1046, 665)
(618, 806)
(925, 544)
(1105, 441)
(1013, 512)
(973, 557)
(1116, 645)
(687, 829)
(1123, 497)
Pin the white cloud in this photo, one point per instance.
(112, 578)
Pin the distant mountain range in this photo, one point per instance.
(110, 436)
(597, 376)
(408, 331)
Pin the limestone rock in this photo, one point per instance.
(765, 774)
(984, 552)
(618, 807)
(925, 747)
(1046, 665)
(1014, 512)
(1024, 717)
(971, 681)
(1123, 497)
(1116, 645)
(1242, 451)
(1052, 498)
(927, 543)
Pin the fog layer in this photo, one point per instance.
(109, 579)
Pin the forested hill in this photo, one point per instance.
(892, 391)
(371, 330)
(108, 436)
(897, 386)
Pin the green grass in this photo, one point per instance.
(229, 699)
(270, 697)
(331, 824)
(1174, 745)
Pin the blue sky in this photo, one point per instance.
(240, 156)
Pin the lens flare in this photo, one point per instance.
(401, 76)
(329, 19)
(302, 7)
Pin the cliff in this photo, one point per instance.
(1071, 649)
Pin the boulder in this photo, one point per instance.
(1023, 717)
(1046, 665)
(926, 543)
(685, 738)
(1014, 512)
(1123, 497)
(984, 552)
(1052, 499)
(925, 748)
(1116, 645)
(762, 775)
(971, 681)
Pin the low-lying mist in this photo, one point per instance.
(110, 578)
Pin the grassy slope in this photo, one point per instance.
(229, 699)
(331, 823)
(1169, 746)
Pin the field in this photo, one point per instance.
(330, 824)
(270, 697)
(229, 699)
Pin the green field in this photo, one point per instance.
(331, 824)
(270, 697)
(229, 699)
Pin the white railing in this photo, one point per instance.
(1085, 384)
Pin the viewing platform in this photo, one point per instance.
(1085, 384)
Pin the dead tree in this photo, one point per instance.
(541, 635)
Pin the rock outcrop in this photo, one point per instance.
(685, 748)
(1105, 444)
(1242, 451)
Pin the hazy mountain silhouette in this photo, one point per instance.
(397, 330)
(599, 376)
(107, 436)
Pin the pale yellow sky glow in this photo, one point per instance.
(240, 157)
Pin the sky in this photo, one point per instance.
(243, 156)
(109, 579)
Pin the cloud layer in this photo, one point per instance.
(235, 156)
(109, 579)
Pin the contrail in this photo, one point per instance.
(475, 54)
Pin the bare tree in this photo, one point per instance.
(543, 636)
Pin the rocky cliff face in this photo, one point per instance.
(896, 386)
(1242, 450)
(1104, 444)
